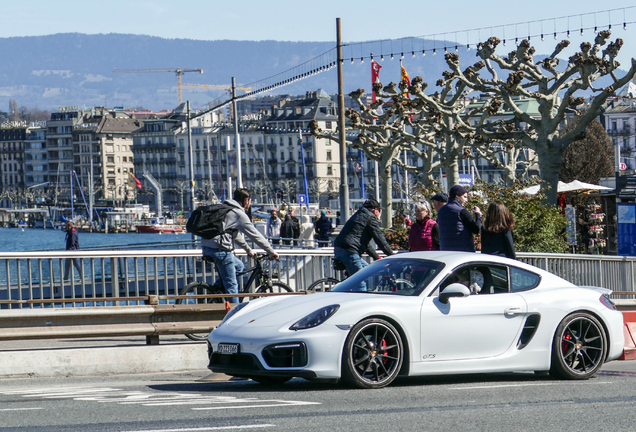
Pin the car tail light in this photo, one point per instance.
(607, 302)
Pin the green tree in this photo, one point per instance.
(538, 227)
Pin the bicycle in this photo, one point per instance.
(387, 283)
(258, 273)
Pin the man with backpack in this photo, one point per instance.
(235, 225)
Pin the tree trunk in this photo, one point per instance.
(386, 193)
(452, 171)
(550, 164)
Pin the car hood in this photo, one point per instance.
(279, 311)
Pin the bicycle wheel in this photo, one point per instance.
(196, 288)
(324, 284)
(276, 287)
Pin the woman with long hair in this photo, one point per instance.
(496, 232)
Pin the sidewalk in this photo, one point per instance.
(103, 356)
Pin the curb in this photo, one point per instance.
(103, 360)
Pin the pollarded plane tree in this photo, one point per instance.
(378, 139)
(553, 90)
(453, 121)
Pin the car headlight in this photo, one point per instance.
(315, 318)
(232, 312)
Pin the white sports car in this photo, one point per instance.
(423, 313)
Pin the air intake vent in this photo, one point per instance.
(529, 329)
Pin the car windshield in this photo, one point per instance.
(392, 276)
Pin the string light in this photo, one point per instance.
(434, 51)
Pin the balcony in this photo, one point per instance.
(272, 160)
(309, 160)
(627, 130)
(310, 174)
(306, 145)
(271, 146)
(258, 147)
(290, 175)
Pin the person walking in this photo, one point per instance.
(273, 227)
(323, 228)
(307, 232)
(456, 224)
(287, 230)
(424, 233)
(356, 235)
(72, 243)
(236, 225)
(496, 232)
(439, 200)
(296, 224)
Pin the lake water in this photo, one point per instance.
(37, 239)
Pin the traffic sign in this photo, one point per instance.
(623, 166)
(301, 199)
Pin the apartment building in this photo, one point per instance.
(620, 123)
(12, 141)
(36, 165)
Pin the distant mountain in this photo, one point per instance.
(76, 69)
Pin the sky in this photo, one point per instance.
(300, 20)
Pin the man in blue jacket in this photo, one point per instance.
(456, 224)
(356, 235)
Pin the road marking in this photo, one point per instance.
(515, 385)
(118, 396)
(19, 409)
(203, 429)
(281, 403)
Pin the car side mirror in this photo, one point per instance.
(454, 290)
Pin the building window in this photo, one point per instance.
(329, 170)
(328, 155)
(328, 125)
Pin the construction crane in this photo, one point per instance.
(177, 71)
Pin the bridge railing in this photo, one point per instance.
(126, 277)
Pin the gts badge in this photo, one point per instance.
(428, 356)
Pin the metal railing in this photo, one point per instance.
(127, 277)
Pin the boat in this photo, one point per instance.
(160, 229)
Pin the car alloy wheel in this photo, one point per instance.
(579, 347)
(373, 354)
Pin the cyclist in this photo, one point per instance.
(235, 225)
(356, 235)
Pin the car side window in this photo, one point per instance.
(480, 278)
(523, 280)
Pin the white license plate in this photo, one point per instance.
(225, 348)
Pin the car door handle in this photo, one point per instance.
(512, 311)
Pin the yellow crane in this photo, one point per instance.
(178, 71)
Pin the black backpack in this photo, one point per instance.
(207, 221)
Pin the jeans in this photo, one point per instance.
(351, 260)
(67, 267)
(228, 266)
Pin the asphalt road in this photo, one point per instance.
(202, 401)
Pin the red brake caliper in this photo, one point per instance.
(564, 345)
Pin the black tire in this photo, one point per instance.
(276, 287)
(196, 288)
(268, 380)
(579, 347)
(324, 284)
(363, 365)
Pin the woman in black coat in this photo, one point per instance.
(496, 231)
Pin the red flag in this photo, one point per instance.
(405, 76)
(375, 74)
(133, 181)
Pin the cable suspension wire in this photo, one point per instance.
(421, 45)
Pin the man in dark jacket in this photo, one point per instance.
(287, 230)
(356, 235)
(456, 224)
(72, 243)
(323, 227)
(296, 223)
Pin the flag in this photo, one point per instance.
(133, 181)
(375, 74)
(302, 153)
(405, 77)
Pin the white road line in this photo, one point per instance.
(515, 385)
(19, 409)
(212, 428)
(283, 403)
